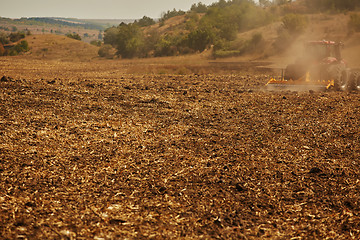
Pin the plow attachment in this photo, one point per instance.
(302, 84)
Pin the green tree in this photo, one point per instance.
(111, 35)
(151, 39)
(145, 21)
(128, 39)
(166, 46)
(201, 38)
(169, 14)
(233, 16)
(199, 8)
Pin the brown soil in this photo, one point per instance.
(99, 150)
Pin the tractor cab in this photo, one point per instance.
(322, 52)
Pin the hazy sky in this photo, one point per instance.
(110, 9)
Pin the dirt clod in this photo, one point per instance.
(315, 170)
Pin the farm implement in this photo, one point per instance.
(320, 68)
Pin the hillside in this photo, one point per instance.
(54, 47)
(320, 26)
(174, 24)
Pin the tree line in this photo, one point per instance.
(333, 5)
(216, 26)
(220, 23)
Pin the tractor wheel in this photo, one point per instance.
(340, 75)
(352, 82)
(357, 80)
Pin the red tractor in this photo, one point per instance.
(321, 66)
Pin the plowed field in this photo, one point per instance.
(90, 151)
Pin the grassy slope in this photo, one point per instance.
(54, 47)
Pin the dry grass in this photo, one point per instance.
(60, 48)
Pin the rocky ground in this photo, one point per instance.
(88, 151)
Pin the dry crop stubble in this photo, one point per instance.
(91, 151)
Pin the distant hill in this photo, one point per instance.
(97, 24)
(105, 23)
(88, 29)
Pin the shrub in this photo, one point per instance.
(354, 22)
(165, 46)
(96, 43)
(14, 37)
(74, 36)
(223, 48)
(253, 44)
(294, 23)
(106, 51)
(13, 52)
(3, 38)
(23, 46)
(226, 53)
